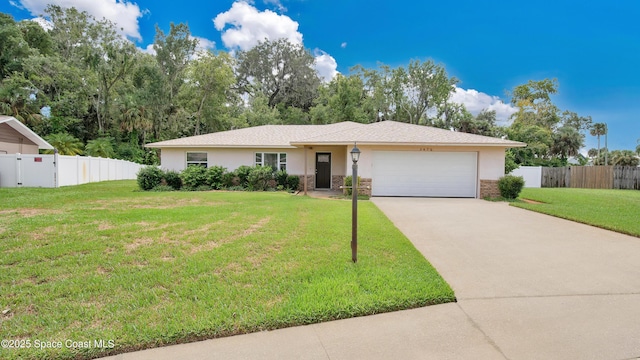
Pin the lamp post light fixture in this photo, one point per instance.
(355, 156)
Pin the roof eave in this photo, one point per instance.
(221, 146)
(28, 133)
(392, 143)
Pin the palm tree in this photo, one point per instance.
(102, 147)
(65, 144)
(624, 158)
(593, 155)
(566, 142)
(598, 129)
(638, 147)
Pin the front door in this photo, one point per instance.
(323, 170)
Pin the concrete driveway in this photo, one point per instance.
(536, 286)
(529, 286)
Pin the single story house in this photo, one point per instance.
(397, 159)
(17, 138)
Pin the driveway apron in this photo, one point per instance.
(537, 286)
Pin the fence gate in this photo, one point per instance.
(27, 170)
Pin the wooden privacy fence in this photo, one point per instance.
(556, 176)
(592, 177)
(626, 177)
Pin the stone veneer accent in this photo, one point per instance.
(337, 181)
(489, 188)
(364, 183)
(362, 188)
(311, 182)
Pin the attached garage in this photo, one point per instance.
(424, 173)
(396, 159)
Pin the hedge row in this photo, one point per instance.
(252, 178)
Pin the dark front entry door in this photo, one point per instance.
(323, 170)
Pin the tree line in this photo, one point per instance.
(88, 90)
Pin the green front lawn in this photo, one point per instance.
(617, 210)
(102, 261)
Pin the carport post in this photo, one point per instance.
(355, 155)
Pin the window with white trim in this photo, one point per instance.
(277, 161)
(197, 159)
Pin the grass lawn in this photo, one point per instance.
(617, 210)
(145, 269)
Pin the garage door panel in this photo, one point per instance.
(413, 173)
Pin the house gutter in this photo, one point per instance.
(343, 143)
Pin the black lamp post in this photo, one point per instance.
(355, 155)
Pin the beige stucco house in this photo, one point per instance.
(397, 159)
(17, 138)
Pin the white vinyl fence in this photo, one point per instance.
(532, 175)
(29, 170)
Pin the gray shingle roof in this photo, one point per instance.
(344, 133)
(397, 133)
(258, 136)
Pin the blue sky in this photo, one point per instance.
(592, 48)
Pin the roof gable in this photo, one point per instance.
(25, 131)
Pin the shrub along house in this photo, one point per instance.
(397, 159)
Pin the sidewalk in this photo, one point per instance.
(436, 332)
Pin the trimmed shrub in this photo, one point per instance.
(194, 176)
(242, 173)
(293, 182)
(281, 178)
(259, 178)
(348, 182)
(510, 186)
(149, 177)
(228, 180)
(163, 188)
(172, 178)
(215, 177)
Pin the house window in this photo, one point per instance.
(197, 158)
(277, 161)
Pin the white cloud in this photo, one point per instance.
(13, 3)
(476, 101)
(343, 45)
(122, 13)
(248, 26)
(204, 44)
(277, 4)
(243, 27)
(44, 23)
(149, 50)
(326, 65)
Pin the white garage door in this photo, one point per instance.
(419, 173)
